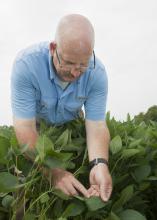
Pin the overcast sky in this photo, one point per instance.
(126, 42)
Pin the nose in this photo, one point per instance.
(75, 72)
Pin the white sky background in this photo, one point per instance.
(126, 41)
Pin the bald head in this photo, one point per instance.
(75, 32)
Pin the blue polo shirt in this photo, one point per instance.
(36, 90)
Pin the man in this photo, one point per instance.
(53, 81)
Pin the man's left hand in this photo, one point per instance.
(100, 182)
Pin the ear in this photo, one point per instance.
(52, 47)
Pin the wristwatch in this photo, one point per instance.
(96, 161)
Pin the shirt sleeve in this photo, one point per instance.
(95, 105)
(23, 101)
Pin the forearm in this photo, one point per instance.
(27, 136)
(98, 138)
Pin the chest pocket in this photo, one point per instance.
(76, 105)
(81, 99)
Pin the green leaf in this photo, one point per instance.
(44, 146)
(79, 197)
(74, 209)
(13, 141)
(78, 141)
(94, 203)
(7, 201)
(4, 146)
(144, 185)
(58, 161)
(142, 172)
(116, 144)
(61, 156)
(72, 147)
(44, 198)
(120, 179)
(127, 193)
(24, 165)
(152, 178)
(62, 218)
(48, 145)
(70, 165)
(130, 214)
(126, 153)
(125, 196)
(58, 208)
(4, 132)
(81, 170)
(3, 194)
(128, 117)
(24, 148)
(63, 139)
(52, 163)
(8, 182)
(135, 143)
(60, 194)
(113, 216)
(29, 216)
(3, 213)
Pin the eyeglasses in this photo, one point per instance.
(70, 66)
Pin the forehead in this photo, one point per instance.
(74, 55)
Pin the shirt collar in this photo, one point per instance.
(51, 67)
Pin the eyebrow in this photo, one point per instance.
(67, 61)
(70, 62)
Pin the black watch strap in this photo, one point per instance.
(96, 161)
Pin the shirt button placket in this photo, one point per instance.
(60, 107)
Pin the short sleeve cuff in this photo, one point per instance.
(95, 117)
(26, 115)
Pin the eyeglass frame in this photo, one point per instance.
(71, 65)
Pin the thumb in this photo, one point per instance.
(103, 194)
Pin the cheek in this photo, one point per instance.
(55, 64)
(58, 69)
(63, 73)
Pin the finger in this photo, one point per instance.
(90, 190)
(80, 188)
(93, 188)
(96, 187)
(94, 193)
(97, 194)
(73, 192)
(70, 189)
(64, 190)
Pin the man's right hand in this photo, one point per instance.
(67, 183)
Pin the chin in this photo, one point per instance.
(69, 79)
